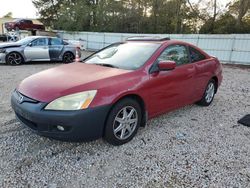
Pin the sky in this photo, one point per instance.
(25, 8)
(19, 8)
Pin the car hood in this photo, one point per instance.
(64, 80)
(9, 45)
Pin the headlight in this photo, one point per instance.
(2, 50)
(75, 101)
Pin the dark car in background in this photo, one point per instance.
(5, 38)
(23, 24)
(37, 48)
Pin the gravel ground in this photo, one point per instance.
(190, 147)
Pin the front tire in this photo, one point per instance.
(209, 94)
(68, 57)
(123, 122)
(14, 58)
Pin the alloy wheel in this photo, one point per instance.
(68, 58)
(125, 122)
(14, 59)
(210, 92)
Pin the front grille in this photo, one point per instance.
(22, 98)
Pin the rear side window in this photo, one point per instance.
(25, 21)
(28, 21)
(56, 41)
(195, 55)
(177, 53)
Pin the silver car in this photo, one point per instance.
(38, 48)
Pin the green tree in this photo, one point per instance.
(144, 16)
(8, 15)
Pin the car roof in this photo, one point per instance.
(156, 39)
(148, 38)
(36, 37)
(19, 19)
(163, 41)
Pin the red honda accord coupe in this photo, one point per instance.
(116, 90)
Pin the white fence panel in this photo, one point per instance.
(223, 56)
(234, 48)
(241, 57)
(242, 44)
(112, 38)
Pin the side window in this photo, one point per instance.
(28, 21)
(55, 41)
(195, 55)
(40, 42)
(177, 53)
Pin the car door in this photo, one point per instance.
(20, 25)
(27, 24)
(37, 50)
(55, 48)
(174, 88)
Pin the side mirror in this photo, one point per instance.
(166, 65)
(30, 44)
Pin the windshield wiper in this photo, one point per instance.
(107, 65)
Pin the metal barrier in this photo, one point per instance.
(232, 48)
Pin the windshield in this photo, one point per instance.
(128, 56)
(25, 41)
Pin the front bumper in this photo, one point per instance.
(79, 125)
(2, 57)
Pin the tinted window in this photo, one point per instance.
(40, 42)
(56, 41)
(177, 53)
(27, 21)
(195, 55)
(131, 55)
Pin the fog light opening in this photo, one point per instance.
(60, 128)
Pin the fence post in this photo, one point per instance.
(104, 40)
(87, 45)
(232, 48)
(197, 43)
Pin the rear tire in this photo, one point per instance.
(68, 57)
(123, 122)
(209, 94)
(14, 58)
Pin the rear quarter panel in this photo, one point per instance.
(68, 48)
(206, 70)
